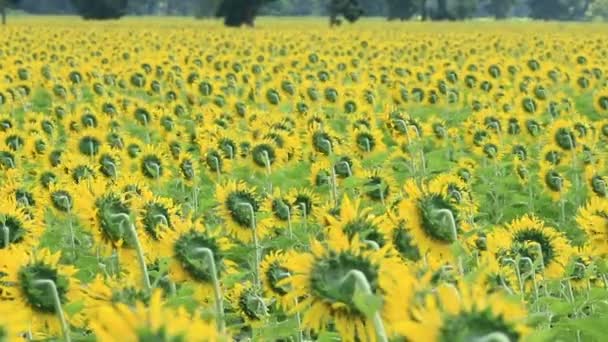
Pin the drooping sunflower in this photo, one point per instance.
(87, 142)
(155, 216)
(153, 164)
(465, 313)
(305, 202)
(238, 202)
(529, 237)
(20, 284)
(593, 219)
(435, 220)
(249, 305)
(280, 207)
(600, 101)
(17, 227)
(324, 280)
(379, 186)
(554, 182)
(455, 189)
(150, 322)
(357, 222)
(273, 269)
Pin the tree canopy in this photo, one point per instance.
(100, 9)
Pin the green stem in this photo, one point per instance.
(364, 285)
(65, 329)
(255, 243)
(217, 290)
(138, 248)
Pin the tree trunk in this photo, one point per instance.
(3, 11)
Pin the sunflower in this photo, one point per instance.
(18, 228)
(360, 223)
(150, 322)
(600, 101)
(366, 140)
(153, 164)
(187, 168)
(87, 142)
(593, 219)
(188, 264)
(553, 181)
(250, 307)
(563, 135)
(465, 313)
(80, 168)
(280, 207)
(529, 237)
(324, 279)
(237, 204)
(273, 269)
(456, 190)
(155, 216)
(379, 186)
(26, 196)
(402, 240)
(305, 202)
(321, 173)
(435, 221)
(213, 161)
(20, 284)
(108, 214)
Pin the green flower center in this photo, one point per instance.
(366, 142)
(554, 181)
(251, 305)
(344, 167)
(7, 160)
(470, 326)
(25, 198)
(377, 189)
(62, 201)
(365, 229)
(111, 218)
(513, 127)
(553, 157)
(14, 142)
(187, 169)
(565, 139)
(599, 186)
(602, 102)
(82, 172)
(322, 178)
(15, 230)
(404, 243)
(228, 147)
(195, 263)
(434, 223)
(274, 274)
(39, 296)
(152, 167)
(281, 209)
(47, 178)
(156, 215)
(89, 146)
(214, 161)
(522, 247)
(263, 154)
(239, 211)
(303, 203)
(322, 142)
(329, 282)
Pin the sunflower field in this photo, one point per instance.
(175, 180)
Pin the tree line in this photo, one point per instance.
(243, 12)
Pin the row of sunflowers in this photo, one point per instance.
(379, 182)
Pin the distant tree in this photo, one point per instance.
(465, 9)
(240, 12)
(599, 9)
(500, 9)
(402, 9)
(558, 9)
(205, 8)
(100, 9)
(350, 9)
(4, 4)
